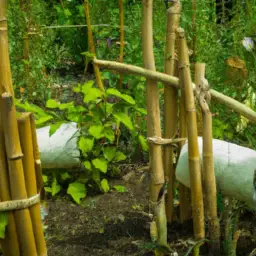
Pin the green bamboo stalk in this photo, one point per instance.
(193, 150)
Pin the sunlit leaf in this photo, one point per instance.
(85, 144)
(109, 153)
(96, 131)
(52, 103)
(87, 165)
(54, 128)
(143, 143)
(55, 187)
(119, 156)
(125, 119)
(101, 164)
(104, 185)
(3, 223)
(77, 191)
(120, 188)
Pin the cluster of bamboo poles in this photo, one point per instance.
(180, 121)
(20, 166)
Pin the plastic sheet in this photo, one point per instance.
(59, 150)
(234, 169)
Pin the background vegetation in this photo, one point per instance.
(113, 124)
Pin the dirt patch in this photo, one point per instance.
(113, 224)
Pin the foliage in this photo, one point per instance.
(100, 118)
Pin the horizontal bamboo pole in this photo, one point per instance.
(174, 81)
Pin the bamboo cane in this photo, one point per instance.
(209, 182)
(174, 81)
(26, 140)
(16, 176)
(170, 103)
(193, 151)
(10, 243)
(184, 192)
(121, 21)
(154, 127)
(91, 44)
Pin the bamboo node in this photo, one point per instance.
(161, 141)
(8, 98)
(19, 204)
(184, 66)
(3, 19)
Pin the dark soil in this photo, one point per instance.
(113, 224)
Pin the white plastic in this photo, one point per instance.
(234, 169)
(60, 150)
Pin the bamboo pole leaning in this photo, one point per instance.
(170, 103)
(91, 44)
(154, 127)
(209, 181)
(174, 81)
(121, 21)
(193, 150)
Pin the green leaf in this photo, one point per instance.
(55, 187)
(52, 104)
(125, 119)
(109, 134)
(54, 128)
(96, 176)
(86, 87)
(85, 144)
(104, 185)
(109, 153)
(96, 131)
(120, 188)
(119, 157)
(43, 120)
(77, 88)
(92, 95)
(65, 176)
(66, 105)
(3, 223)
(101, 164)
(77, 191)
(141, 110)
(30, 108)
(45, 178)
(115, 92)
(143, 143)
(87, 165)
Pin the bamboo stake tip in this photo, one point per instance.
(24, 116)
(181, 32)
(6, 95)
(176, 8)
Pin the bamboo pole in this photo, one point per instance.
(170, 103)
(121, 21)
(174, 81)
(154, 126)
(9, 244)
(209, 182)
(28, 160)
(16, 176)
(91, 44)
(184, 192)
(193, 150)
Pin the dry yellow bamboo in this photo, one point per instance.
(209, 182)
(16, 176)
(121, 21)
(193, 150)
(91, 44)
(170, 103)
(38, 166)
(154, 126)
(10, 244)
(26, 141)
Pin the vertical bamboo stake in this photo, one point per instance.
(91, 44)
(209, 182)
(170, 103)
(121, 21)
(154, 126)
(30, 180)
(193, 151)
(16, 176)
(10, 243)
(13, 149)
(184, 192)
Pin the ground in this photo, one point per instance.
(113, 224)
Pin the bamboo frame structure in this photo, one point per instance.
(121, 21)
(26, 140)
(10, 144)
(174, 81)
(91, 44)
(209, 181)
(154, 126)
(193, 150)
